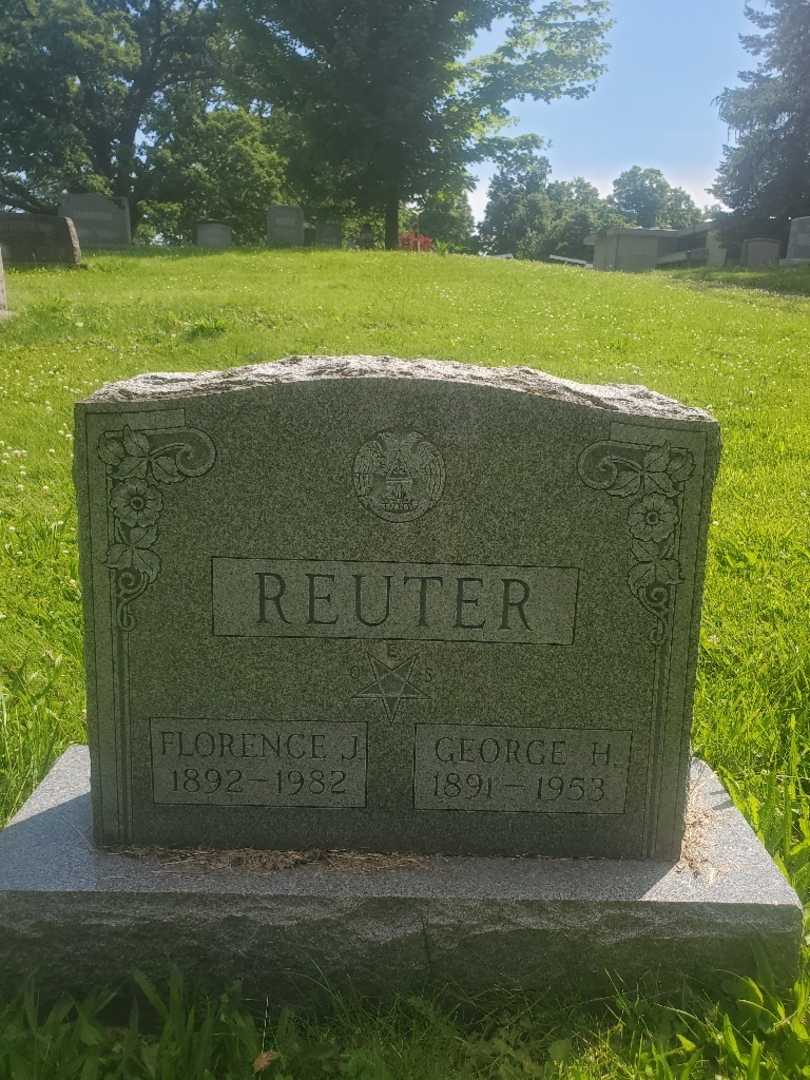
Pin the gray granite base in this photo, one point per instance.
(78, 917)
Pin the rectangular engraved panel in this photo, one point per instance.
(258, 762)
(535, 770)
(414, 601)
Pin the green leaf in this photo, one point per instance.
(561, 1050)
(730, 1040)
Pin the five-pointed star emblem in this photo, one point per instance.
(392, 684)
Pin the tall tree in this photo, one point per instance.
(382, 93)
(575, 211)
(516, 199)
(765, 177)
(646, 198)
(446, 216)
(532, 216)
(216, 164)
(77, 81)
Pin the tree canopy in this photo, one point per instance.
(78, 79)
(383, 97)
(349, 105)
(217, 164)
(645, 197)
(532, 216)
(765, 176)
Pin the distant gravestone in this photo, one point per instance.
(285, 226)
(101, 222)
(213, 234)
(3, 297)
(38, 240)
(759, 251)
(365, 237)
(329, 234)
(799, 241)
(716, 254)
(408, 605)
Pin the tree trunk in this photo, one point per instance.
(392, 222)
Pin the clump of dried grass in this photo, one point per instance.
(263, 861)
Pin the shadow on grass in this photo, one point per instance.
(789, 281)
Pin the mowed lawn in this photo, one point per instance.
(710, 340)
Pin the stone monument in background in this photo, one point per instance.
(329, 234)
(414, 608)
(213, 234)
(3, 294)
(101, 222)
(38, 240)
(760, 251)
(798, 250)
(285, 226)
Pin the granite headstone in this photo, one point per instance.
(383, 605)
(799, 241)
(101, 222)
(285, 226)
(759, 251)
(3, 297)
(329, 234)
(38, 240)
(213, 234)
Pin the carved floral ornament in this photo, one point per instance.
(137, 463)
(654, 479)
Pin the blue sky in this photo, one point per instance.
(668, 59)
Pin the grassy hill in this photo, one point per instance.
(742, 352)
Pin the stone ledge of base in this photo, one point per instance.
(46, 850)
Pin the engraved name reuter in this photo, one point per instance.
(399, 475)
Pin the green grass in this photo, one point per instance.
(788, 280)
(737, 343)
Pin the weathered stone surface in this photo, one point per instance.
(329, 234)
(101, 222)
(70, 913)
(3, 296)
(391, 605)
(213, 234)
(716, 254)
(285, 226)
(758, 251)
(38, 240)
(799, 240)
